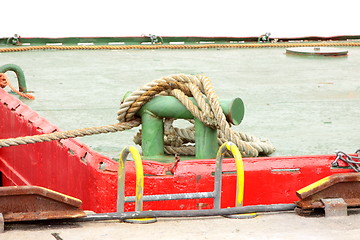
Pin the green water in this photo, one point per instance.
(304, 105)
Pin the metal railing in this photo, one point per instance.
(216, 194)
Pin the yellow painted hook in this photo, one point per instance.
(239, 172)
(139, 178)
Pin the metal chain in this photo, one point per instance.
(352, 161)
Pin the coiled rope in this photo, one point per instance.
(4, 81)
(180, 86)
(184, 46)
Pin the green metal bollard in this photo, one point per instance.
(19, 74)
(153, 112)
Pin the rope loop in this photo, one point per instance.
(4, 81)
(207, 110)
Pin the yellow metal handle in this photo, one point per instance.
(139, 179)
(239, 173)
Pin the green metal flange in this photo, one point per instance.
(19, 74)
(153, 112)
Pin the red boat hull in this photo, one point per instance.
(72, 168)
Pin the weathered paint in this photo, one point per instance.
(72, 168)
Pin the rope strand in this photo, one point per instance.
(191, 46)
(4, 81)
(69, 134)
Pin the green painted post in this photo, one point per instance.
(206, 144)
(152, 134)
(19, 74)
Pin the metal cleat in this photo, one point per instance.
(27, 203)
(333, 194)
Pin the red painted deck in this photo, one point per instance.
(70, 167)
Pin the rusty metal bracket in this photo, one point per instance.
(333, 193)
(26, 203)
